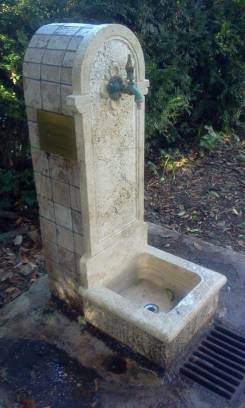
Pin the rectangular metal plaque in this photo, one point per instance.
(57, 134)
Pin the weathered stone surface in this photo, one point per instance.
(166, 334)
(92, 208)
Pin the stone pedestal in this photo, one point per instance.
(91, 203)
(88, 157)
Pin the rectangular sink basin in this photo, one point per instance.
(151, 280)
(155, 304)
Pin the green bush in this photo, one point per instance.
(194, 54)
(209, 140)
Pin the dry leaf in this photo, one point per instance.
(197, 246)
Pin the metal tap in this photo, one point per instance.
(116, 86)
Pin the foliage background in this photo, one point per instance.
(194, 53)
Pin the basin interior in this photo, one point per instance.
(151, 280)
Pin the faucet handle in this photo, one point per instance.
(130, 68)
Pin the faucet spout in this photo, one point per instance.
(132, 89)
(116, 86)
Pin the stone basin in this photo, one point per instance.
(185, 294)
(151, 280)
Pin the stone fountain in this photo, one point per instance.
(84, 92)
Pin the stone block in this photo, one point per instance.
(50, 251)
(58, 169)
(74, 44)
(32, 89)
(50, 96)
(39, 41)
(69, 59)
(63, 216)
(77, 263)
(74, 175)
(31, 70)
(31, 114)
(66, 76)
(79, 244)
(68, 29)
(34, 55)
(43, 185)
(75, 198)
(59, 42)
(50, 73)
(33, 133)
(65, 238)
(48, 230)
(61, 193)
(67, 260)
(77, 221)
(40, 161)
(53, 57)
(84, 30)
(52, 269)
(46, 208)
(48, 29)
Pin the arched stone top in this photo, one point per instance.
(88, 49)
(48, 65)
(59, 59)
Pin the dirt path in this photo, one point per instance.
(203, 197)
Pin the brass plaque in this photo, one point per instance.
(57, 134)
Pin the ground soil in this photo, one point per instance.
(50, 360)
(203, 197)
(21, 258)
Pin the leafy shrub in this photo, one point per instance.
(194, 59)
(210, 139)
(17, 187)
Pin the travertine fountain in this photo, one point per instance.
(84, 92)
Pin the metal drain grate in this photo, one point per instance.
(219, 362)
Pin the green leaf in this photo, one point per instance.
(29, 198)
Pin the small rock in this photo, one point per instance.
(26, 269)
(33, 235)
(18, 240)
(10, 289)
(197, 246)
(24, 250)
(10, 255)
(241, 243)
(5, 275)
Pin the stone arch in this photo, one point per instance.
(89, 47)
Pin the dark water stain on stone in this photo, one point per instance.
(124, 352)
(115, 364)
(46, 374)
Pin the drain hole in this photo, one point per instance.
(152, 307)
(218, 364)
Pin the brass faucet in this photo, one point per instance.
(116, 86)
